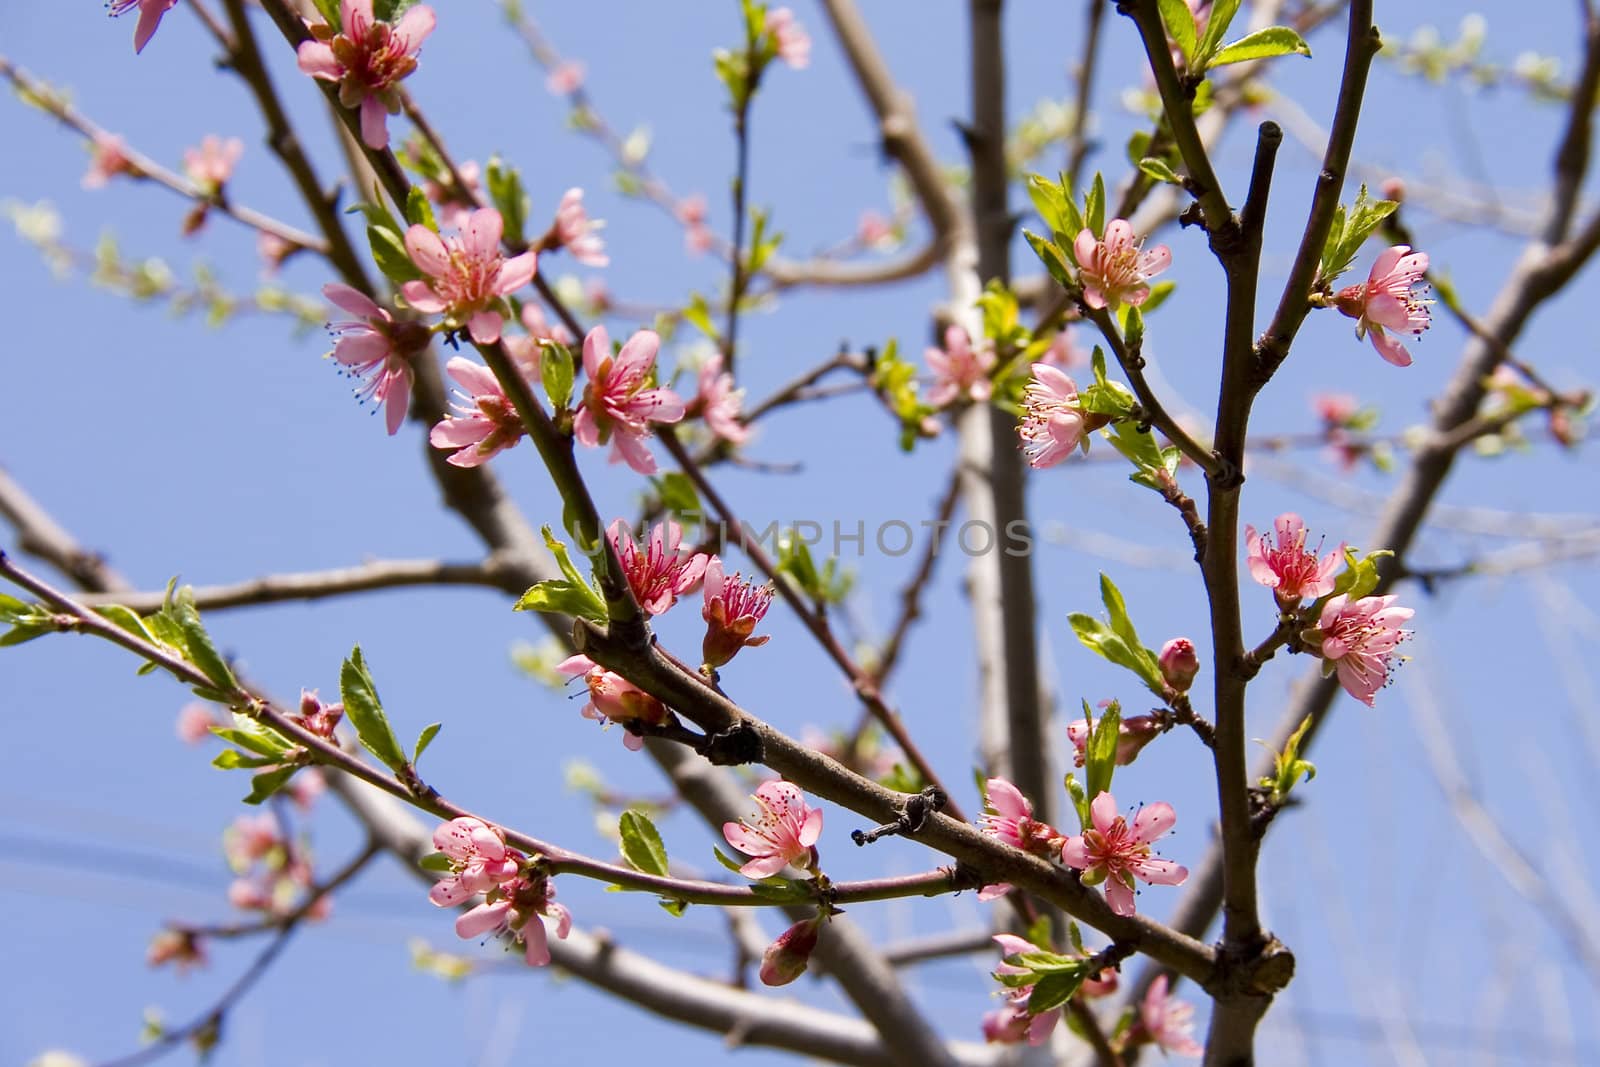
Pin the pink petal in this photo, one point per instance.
(1390, 348)
(1103, 811)
(481, 235)
(535, 943)
(515, 273)
(474, 377)
(427, 251)
(579, 665)
(1161, 872)
(1384, 264)
(353, 300)
(1153, 821)
(585, 429)
(397, 400)
(361, 349)
(1119, 896)
(763, 867)
(485, 327)
(1119, 234)
(625, 446)
(449, 892)
(421, 296)
(596, 350)
(1075, 853)
(458, 433)
(481, 919)
(811, 830)
(1006, 799)
(1084, 247)
(374, 123)
(316, 59)
(1012, 945)
(415, 25)
(639, 351)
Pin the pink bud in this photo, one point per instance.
(786, 958)
(1179, 664)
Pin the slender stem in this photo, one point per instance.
(145, 168)
(741, 182)
(1078, 138)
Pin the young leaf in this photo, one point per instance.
(1049, 200)
(1262, 44)
(1179, 21)
(1094, 206)
(437, 862)
(1054, 989)
(1158, 168)
(1052, 257)
(365, 712)
(124, 618)
(267, 783)
(329, 10)
(556, 369)
(507, 196)
(1222, 12)
(202, 653)
(389, 252)
(418, 211)
(231, 759)
(641, 843)
(424, 739)
(556, 596)
(1100, 753)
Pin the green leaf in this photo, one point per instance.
(365, 711)
(1054, 989)
(1158, 168)
(675, 908)
(1049, 200)
(267, 783)
(1179, 21)
(556, 369)
(698, 313)
(557, 597)
(1289, 768)
(1100, 752)
(1080, 799)
(25, 630)
(726, 860)
(1360, 575)
(677, 493)
(1158, 296)
(390, 10)
(330, 12)
(126, 619)
(1117, 610)
(641, 843)
(437, 862)
(202, 653)
(232, 759)
(1262, 44)
(424, 739)
(1350, 230)
(1094, 206)
(508, 197)
(1052, 257)
(389, 253)
(251, 735)
(418, 211)
(1222, 12)
(11, 608)
(376, 212)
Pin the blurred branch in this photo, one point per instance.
(53, 103)
(342, 581)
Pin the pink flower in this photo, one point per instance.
(194, 723)
(875, 231)
(1357, 639)
(375, 349)
(107, 158)
(577, 232)
(1013, 1023)
(251, 838)
(719, 403)
(1010, 820)
(1052, 422)
(699, 240)
(1388, 300)
(273, 250)
(1178, 663)
(612, 698)
(467, 275)
(1117, 270)
(1335, 409)
(479, 860)
(181, 948)
(211, 164)
(248, 894)
(734, 607)
(697, 236)
(306, 786)
(150, 12)
(619, 402)
(1113, 852)
(787, 958)
(658, 572)
(789, 38)
(1133, 733)
(1285, 566)
(1168, 1022)
(566, 79)
(783, 833)
(486, 424)
(1064, 351)
(518, 908)
(959, 370)
(368, 59)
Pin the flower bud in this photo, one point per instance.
(1393, 189)
(786, 958)
(1179, 664)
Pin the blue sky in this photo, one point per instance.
(223, 454)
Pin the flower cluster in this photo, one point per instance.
(575, 231)
(517, 898)
(1357, 640)
(790, 42)
(1014, 1023)
(718, 403)
(368, 59)
(271, 870)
